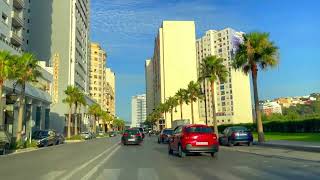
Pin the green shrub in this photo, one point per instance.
(18, 145)
(32, 144)
(76, 137)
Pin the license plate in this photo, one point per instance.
(201, 143)
(131, 140)
(242, 134)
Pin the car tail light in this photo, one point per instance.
(214, 137)
(125, 134)
(138, 134)
(234, 134)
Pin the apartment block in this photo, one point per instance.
(149, 85)
(109, 92)
(233, 97)
(172, 67)
(14, 26)
(138, 110)
(97, 73)
(270, 107)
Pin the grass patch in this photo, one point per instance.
(306, 137)
(76, 137)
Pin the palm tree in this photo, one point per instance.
(106, 119)
(95, 110)
(256, 50)
(194, 93)
(213, 69)
(5, 58)
(79, 100)
(26, 70)
(171, 102)
(182, 97)
(70, 100)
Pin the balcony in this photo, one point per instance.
(16, 19)
(16, 39)
(19, 4)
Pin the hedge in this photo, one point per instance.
(310, 125)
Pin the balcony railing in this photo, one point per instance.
(19, 4)
(16, 19)
(16, 40)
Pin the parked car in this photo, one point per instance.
(142, 132)
(86, 135)
(236, 135)
(193, 139)
(5, 141)
(101, 133)
(131, 136)
(60, 138)
(45, 137)
(165, 135)
(112, 134)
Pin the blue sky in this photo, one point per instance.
(127, 28)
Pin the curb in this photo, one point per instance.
(292, 147)
(268, 155)
(73, 141)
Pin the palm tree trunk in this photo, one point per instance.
(21, 112)
(94, 125)
(75, 120)
(69, 122)
(104, 127)
(181, 116)
(192, 117)
(256, 104)
(214, 118)
(171, 117)
(1, 105)
(80, 120)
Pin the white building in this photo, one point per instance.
(138, 110)
(232, 98)
(271, 107)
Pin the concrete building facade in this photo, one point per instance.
(109, 92)
(138, 110)
(172, 67)
(232, 98)
(97, 74)
(149, 85)
(270, 107)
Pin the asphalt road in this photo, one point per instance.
(107, 159)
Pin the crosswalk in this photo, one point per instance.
(194, 173)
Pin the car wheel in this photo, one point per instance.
(158, 141)
(214, 155)
(180, 152)
(170, 151)
(249, 143)
(230, 144)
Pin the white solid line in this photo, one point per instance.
(95, 169)
(68, 176)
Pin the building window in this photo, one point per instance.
(4, 18)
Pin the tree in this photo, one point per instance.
(79, 100)
(171, 102)
(194, 93)
(182, 97)
(26, 70)
(95, 111)
(106, 119)
(5, 58)
(213, 69)
(119, 123)
(256, 51)
(70, 99)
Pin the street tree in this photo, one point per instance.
(194, 93)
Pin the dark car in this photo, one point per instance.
(193, 138)
(236, 135)
(142, 132)
(131, 136)
(45, 137)
(165, 135)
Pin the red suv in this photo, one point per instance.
(193, 139)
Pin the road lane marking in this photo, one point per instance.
(257, 173)
(222, 174)
(147, 174)
(68, 176)
(110, 174)
(95, 169)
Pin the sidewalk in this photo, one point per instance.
(293, 145)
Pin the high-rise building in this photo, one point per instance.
(232, 98)
(138, 110)
(59, 35)
(97, 73)
(109, 92)
(149, 86)
(14, 26)
(172, 67)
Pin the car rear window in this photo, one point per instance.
(132, 131)
(199, 129)
(239, 129)
(167, 131)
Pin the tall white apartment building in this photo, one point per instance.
(232, 98)
(138, 110)
(14, 25)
